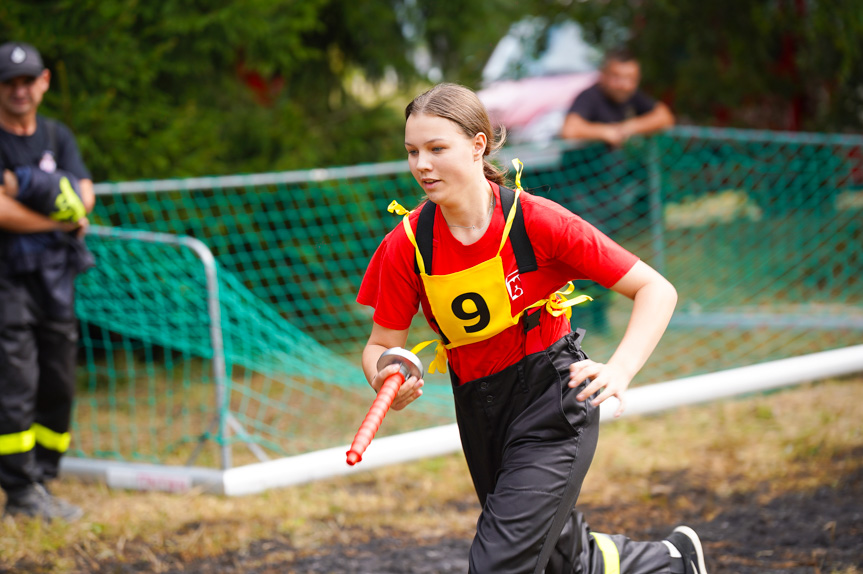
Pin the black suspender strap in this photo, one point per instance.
(425, 235)
(525, 259)
(521, 247)
(531, 318)
(425, 243)
(524, 256)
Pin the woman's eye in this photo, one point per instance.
(437, 149)
(412, 152)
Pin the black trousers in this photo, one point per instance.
(38, 346)
(528, 444)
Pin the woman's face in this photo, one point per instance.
(443, 160)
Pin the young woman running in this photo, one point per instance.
(485, 263)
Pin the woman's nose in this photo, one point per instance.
(423, 162)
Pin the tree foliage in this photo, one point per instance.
(192, 87)
(787, 64)
(179, 87)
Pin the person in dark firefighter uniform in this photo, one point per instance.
(45, 195)
(488, 266)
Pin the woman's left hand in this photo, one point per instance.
(611, 379)
(410, 390)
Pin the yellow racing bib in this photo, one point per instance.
(473, 304)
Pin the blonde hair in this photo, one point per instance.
(461, 106)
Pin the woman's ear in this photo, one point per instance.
(480, 142)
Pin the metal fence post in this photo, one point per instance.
(657, 237)
(216, 340)
(213, 310)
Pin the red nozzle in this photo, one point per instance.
(375, 417)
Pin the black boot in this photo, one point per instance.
(691, 552)
(34, 500)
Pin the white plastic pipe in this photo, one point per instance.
(331, 462)
(138, 476)
(445, 439)
(721, 384)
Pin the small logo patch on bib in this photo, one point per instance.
(513, 285)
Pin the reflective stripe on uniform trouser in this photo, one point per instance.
(610, 555)
(33, 454)
(17, 442)
(17, 461)
(24, 441)
(51, 440)
(581, 551)
(50, 448)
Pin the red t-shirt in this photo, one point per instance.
(566, 247)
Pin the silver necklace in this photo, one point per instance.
(487, 217)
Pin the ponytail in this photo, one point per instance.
(493, 172)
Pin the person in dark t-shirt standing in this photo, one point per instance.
(612, 111)
(45, 195)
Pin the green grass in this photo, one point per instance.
(789, 440)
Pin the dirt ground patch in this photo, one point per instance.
(817, 531)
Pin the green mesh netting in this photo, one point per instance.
(761, 233)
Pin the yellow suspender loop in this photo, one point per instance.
(516, 163)
(395, 207)
(407, 225)
(438, 364)
(557, 304)
(509, 219)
